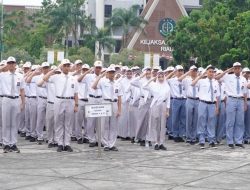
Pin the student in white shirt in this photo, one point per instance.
(66, 103)
(111, 93)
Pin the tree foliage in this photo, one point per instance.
(217, 34)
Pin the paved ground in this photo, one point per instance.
(182, 167)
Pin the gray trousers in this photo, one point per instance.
(64, 120)
(109, 128)
(27, 129)
(33, 116)
(50, 123)
(80, 121)
(1, 126)
(21, 120)
(157, 124)
(133, 111)
(123, 125)
(10, 109)
(92, 123)
(41, 114)
(142, 120)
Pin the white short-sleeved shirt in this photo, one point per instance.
(161, 93)
(189, 88)
(125, 83)
(82, 89)
(107, 91)
(89, 79)
(230, 81)
(6, 83)
(222, 89)
(41, 91)
(175, 85)
(51, 91)
(205, 90)
(59, 81)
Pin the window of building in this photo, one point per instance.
(200, 2)
(118, 46)
(108, 11)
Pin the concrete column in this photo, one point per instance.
(99, 13)
(99, 24)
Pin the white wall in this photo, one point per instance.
(190, 2)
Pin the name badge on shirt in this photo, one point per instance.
(18, 83)
(215, 91)
(242, 87)
(72, 85)
(116, 90)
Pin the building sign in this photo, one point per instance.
(166, 26)
(159, 43)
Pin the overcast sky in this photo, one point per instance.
(21, 2)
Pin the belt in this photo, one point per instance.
(179, 98)
(143, 97)
(92, 96)
(1, 96)
(115, 100)
(207, 102)
(11, 97)
(222, 101)
(193, 98)
(248, 99)
(84, 100)
(50, 102)
(66, 98)
(236, 97)
(43, 97)
(31, 96)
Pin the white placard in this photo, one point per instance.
(98, 110)
(156, 60)
(60, 55)
(50, 57)
(147, 60)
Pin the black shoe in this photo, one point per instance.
(128, 139)
(246, 142)
(212, 145)
(80, 141)
(73, 139)
(133, 140)
(150, 144)
(1, 144)
(192, 143)
(170, 137)
(18, 132)
(181, 139)
(85, 140)
(39, 142)
(114, 148)
(50, 145)
(60, 148)
(32, 139)
(162, 147)
(22, 134)
(142, 143)
(231, 146)
(157, 147)
(123, 139)
(28, 137)
(6, 149)
(92, 145)
(47, 141)
(176, 139)
(15, 149)
(106, 149)
(55, 145)
(68, 148)
(240, 145)
(202, 146)
(44, 128)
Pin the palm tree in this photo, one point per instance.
(103, 38)
(127, 20)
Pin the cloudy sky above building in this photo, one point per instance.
(22, 2)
